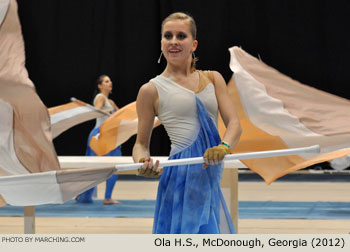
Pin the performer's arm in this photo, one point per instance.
(146, 104)
(227, 111)
(233, 131)
(113, 105)
(100, 102)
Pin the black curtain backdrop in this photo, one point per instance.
(70, 43)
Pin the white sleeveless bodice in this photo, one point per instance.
(177, 110)
(106, 107)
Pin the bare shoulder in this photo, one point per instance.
(100, 99)
(147, 100)
(148, 89)
(217, 76)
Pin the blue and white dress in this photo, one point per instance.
(86, 197)
(189, 199)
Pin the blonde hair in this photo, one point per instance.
(193, 29)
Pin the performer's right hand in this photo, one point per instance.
(148, 169)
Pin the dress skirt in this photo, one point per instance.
(189, 199)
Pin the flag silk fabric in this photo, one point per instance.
(64, 117)
(117, 129)
(26, 142)
(4, 4)
(30, 172)
(277, 112)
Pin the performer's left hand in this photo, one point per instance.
(215, 155)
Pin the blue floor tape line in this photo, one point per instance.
(294, 210)
(145, 209)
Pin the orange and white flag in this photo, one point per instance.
(117, 129)
(277, 112)
(64, 117)
(30, 173)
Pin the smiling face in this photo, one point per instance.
(177, 41)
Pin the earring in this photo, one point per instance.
(193, 55)
(160, 57)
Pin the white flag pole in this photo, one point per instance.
(248, 155)
(92, 107)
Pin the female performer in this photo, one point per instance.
(187, 102)
(101, 101)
